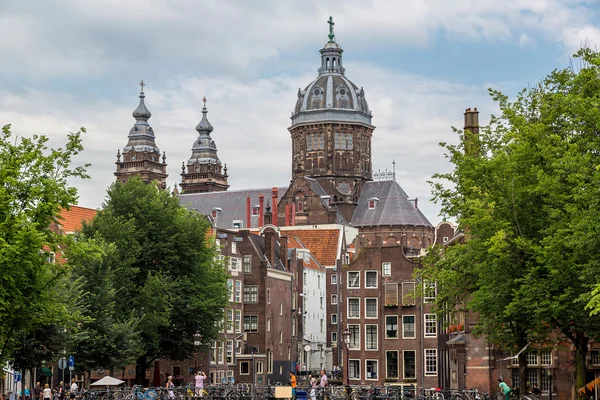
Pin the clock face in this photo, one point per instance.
(344, 188)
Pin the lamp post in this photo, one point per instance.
(346, 336)
(550, 374)
(197, 343)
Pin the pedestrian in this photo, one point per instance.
(47, 393)
(293, 384)
(324, 381)
(505, 389)
(74, 389)
(61, 390)
(27, 393)
(169, 386)
(37, 392)
(199, 378)
(313, 387)
(536, 390)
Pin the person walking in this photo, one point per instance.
(47, 393)
(313, 388)
(324, 380)
(73, 389)
(199, 380)
(37, 392)
(506, 390)
(61, 390)
(169, 386)
(293, 384)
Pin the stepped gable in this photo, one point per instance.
(228, 206)
(392, 207)
(322, 243)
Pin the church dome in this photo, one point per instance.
(331, 96)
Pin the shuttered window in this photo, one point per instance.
(391, 294)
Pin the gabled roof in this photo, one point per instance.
(322, 243)
(71, 220)
(319, 191)
(232, 204)
(392, 207)
(259, 243)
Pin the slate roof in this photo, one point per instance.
(232, 204)
(322, 243)
(259, 243)
(71, 220)
(392, 207)
(319, 191)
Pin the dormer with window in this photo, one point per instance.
(215, 211)
(255, 210)
(373, 203)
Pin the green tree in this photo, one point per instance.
(33, 188)
(526, 196)
(167, 276)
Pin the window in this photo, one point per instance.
(408, 327)
(234, 244)
(321, 325)
(238, 291)
(545, 358)
(334, 319)
(280, 337)
(371, 279)
(259, 367)
(353, 279)
(254, 211)
(321, 302)
(391, 327)
(386, 269)
(229, 321)
(268, 324)
(595, 357)
(343, 141)
(315, 141)
(250, 294)
(318, 281)
(334, 279)
(244, 368)
(269, 362)
(299, 205)
(429, 291)
(354, 369)
(51, 257)
(280, 308)
(371, 369)
(391, 294)
(238, 321)
(334, 299)
(371, 308)
(251, 323)
(430, 325)
(371, 204)
(354, 336)
(430, 362)
(410, 365)
(247, 265)
(408, 293)
(229, 352)
(234, 263)
(371, 337)
(354, 308)
(230, 289)
(391, 364)
(333, 337)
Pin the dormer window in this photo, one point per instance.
(238, 224)
(255, 211)
(215, 212)
(373, 202)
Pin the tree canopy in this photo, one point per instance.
(526, 193)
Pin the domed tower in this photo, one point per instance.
(204, 170)
(141, 156)
(331, 131)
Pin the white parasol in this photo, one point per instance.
(108, 381)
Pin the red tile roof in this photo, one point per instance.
(322, 243)
(71, 220)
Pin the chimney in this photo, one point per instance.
(270, 238)
(471, 131)
(274, 198)
(261, 210)
(248, 215)
(288, 212)
(283, 249)
(293, 219)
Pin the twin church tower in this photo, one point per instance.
(331, 135)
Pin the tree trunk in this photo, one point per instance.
(141, 366)
(581, 348)
(522, 373)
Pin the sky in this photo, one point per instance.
(71, 63)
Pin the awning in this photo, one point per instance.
(589, 386)
(46, 371)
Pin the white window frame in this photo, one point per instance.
(260, 368)
(334, 319)
(386, 267)
(376, 307)
(230, 290)
(238, 291)
(397, 327)
(404, 367)
(367, 369)
(230, 321)
(357, 347)
(268, 324)
(237, 320)
(429, 325)
(334, 279)
(355, 377)
(397, 364)
(348, 307)
(411, 290)
(334, 299)
(233, 243)
(334, 337)
(357, 273)
(414, 327)
(376, 337)
(429, 297)
(376, 279)
(428, 357)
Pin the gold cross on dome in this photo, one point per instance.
(204, 101)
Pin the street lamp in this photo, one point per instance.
(346, 336)
(550, 374)
(197, 343)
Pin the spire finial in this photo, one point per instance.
(204, 101)
(394, 170)
(142, 84)
(331, 24)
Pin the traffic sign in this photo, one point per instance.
(62, 363)
(71, 368)
(71, 361)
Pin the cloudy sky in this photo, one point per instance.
(71, 63)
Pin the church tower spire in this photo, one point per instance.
(204, 171)
(141, 156)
